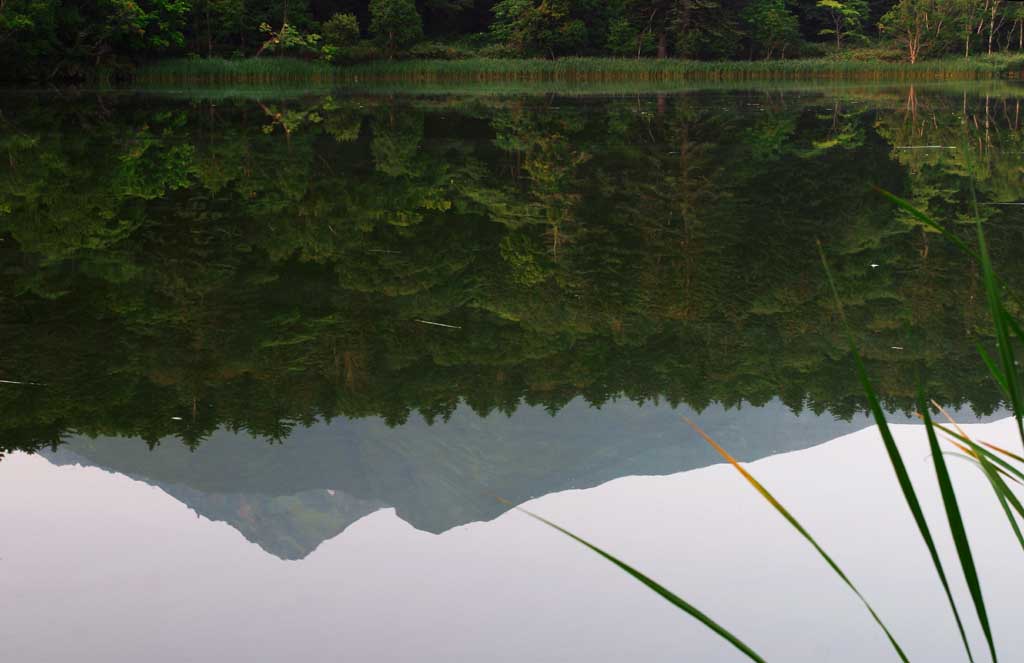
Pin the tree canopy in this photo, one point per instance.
(61, 39)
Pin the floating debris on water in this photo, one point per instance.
(437, 324)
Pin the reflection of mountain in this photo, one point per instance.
(289, 498)
(288, 526)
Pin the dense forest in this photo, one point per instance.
(172, 266)
(53, 39)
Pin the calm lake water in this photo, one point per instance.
(268, 359)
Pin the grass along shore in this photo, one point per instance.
(269, 70)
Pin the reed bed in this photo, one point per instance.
(250, 71)
(610, 69)
(265, 71)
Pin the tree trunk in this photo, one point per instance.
(662, 45)
(209, 32)
(992, 24)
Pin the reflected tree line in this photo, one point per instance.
(172, 266)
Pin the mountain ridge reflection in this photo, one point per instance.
(289, 498)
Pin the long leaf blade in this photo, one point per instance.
(1006, 355)
(654, 586)
(957, 529)
(803, 532)
(895, 459)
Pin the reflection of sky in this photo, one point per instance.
(97, 567)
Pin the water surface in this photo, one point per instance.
(334, 325)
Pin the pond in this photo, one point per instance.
(278, 364)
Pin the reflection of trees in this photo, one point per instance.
(171, 268)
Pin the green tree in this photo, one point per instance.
(773, 28)
(625, 37)
(288, 38)
(846, 17)
(222, 20)
(918, 25)
(341, 30)
(395, 24)
(538, 28)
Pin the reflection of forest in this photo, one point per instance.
(174, 266)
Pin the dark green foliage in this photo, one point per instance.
(395, 24)
(341, 30)
(545, 28)
(772, 27)
(46, 40)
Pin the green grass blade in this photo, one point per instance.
(1006, 498)
(956, 528)
(1003, 502)
(986, 461)
(928, 221)
(1014, 326)
(1009, 516)
(1004, 468)
(995, 371)
(999, 316)
(655, 587)
(803, 532)
(1008, 377)
(1019, 459)
(974, 448)
(938, 227)
(999, 497)
(902, 477)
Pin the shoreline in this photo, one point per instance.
(572, 70)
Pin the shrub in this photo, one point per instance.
(341, 31)
(432, 50)
(364, 51)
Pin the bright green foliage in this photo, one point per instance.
(846, 18)
(919, 26)
(395, 24)
(288, 39)
(149, 24)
